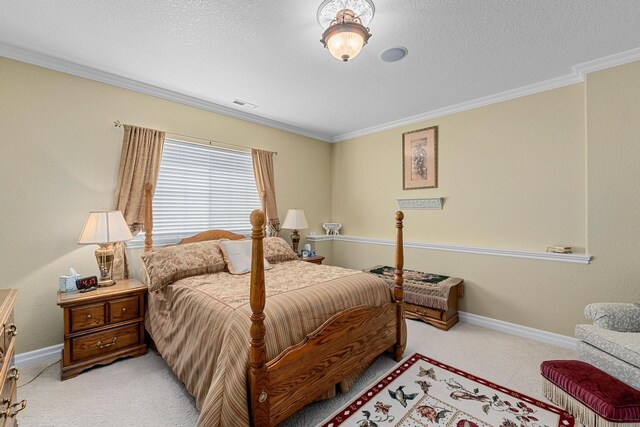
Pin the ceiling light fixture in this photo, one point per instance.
(345, 26)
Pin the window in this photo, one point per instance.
(201, 188)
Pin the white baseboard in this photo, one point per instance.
(519, 330)
(35, 357)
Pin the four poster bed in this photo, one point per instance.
(247, 362)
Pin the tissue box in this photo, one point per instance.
(68, 283)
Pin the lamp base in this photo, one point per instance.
(104, 257)
(295, 239)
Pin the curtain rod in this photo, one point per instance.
(119, 124)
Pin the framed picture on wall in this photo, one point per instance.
(420, 159)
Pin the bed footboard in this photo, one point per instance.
(350, 339)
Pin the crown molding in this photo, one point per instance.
(577, 75)
(540, 256)
(46, 61)
(610, 61)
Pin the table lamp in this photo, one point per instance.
(104, 228)
(295, 220)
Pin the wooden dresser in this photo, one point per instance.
(103, 325)
(9, 374)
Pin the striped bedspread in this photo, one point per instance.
(201, 326)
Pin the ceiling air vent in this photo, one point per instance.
(244, 103)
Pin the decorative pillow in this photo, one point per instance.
(237, 256)
(171, 263)
(277, 250)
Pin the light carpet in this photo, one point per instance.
(144, 392)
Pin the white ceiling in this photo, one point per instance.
(268, 52)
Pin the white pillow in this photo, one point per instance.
(237, 256)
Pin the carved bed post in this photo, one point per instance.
(148, 217)
(398, 292)
(258, 377)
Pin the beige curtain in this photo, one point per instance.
(265, 182)
(139, 164)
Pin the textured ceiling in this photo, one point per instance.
(269, 54)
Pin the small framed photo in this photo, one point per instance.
(420, 159)
(305, 254)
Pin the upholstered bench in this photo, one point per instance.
(431, 298)
(593, 397)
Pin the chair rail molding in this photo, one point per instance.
(541, 256)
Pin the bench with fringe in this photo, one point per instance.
(592, 396)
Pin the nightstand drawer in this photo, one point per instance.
(88, 316)
(104, 342)
(123, 309)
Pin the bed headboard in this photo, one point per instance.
(211, 235)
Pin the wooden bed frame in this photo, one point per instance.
(349, 340)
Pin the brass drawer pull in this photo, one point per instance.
(88, 316)
(14, 373)
(101, 345)
(7, 411)
(13, 330)
(22, 404)
(124, 309)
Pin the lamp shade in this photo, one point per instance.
(295, 220)
(104, 227)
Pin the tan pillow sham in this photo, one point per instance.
(171, 263)
(237, 256)
(277, 250)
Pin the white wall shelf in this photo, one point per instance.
(432, 203)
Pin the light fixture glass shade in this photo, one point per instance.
(104, 227)
(345, 45)
(346, 35)
(295, 220)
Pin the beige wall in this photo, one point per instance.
(59, 154)
(555, 167)
(613, 181)
(514, 175)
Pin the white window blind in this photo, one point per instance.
(201, 188)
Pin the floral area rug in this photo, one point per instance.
(424, 392)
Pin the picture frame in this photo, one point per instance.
(420, 159)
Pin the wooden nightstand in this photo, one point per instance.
(314, 259)
(103, 325)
